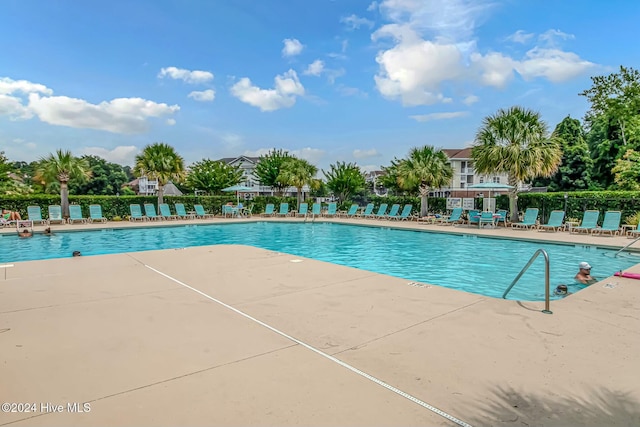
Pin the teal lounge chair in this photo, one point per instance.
(75, 214)
(589, 222)
(165, 211)
(332, 209)
(529, 221)
(486, 218)
(382, 209)
(368, 211)
(473, 217)
(555, 222)
(316, 209)
(181, 212)
(95, 214)
(303, 209)
(502, 219)
(610, 223)
(201, 213)
(55, 214)
(632, 234)
(395, 208)
(404, 215)
(268, 210)
(34, 213)
(284, 209)
(227, 211)
(150, 212)
(136, 213)
(454, 218)
(351, 213)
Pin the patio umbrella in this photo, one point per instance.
(490, 186)
(239, 189)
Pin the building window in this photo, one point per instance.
(462, 185)
(496, 180)
(481, 180)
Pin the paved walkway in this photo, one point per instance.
(235, 335)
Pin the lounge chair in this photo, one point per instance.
(395, 208)
(75, 214)
(404, 215)
(227, 211)
(486, 218)
(632, 234)
(55, 215)
(269, 210)
(150, 212)
(555, 222)
(368, 211)
(181, 212)
(589, 222)
(529, 221)
(95, 214)
(136, 213)
(201, 213)
(303, 209)
(454, 218)
(165, 211)
(34, 213)
(351, 213)
(473, 217)
(502, 219)
(316, 210)
(332, 209)
(382, 209)
(284, 209)
(7, 222)
(610, 223)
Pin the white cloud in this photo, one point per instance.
(292, 47)
(287, 87)
(205, 95)
(354, 22)
(470, 100)
(312, 155)
(9, 86)
(439, 116)
(494, 69)
(120, 115)
(373, 6)
(171, 122)
(192, 77)
(552, 64)
(520, 37)
(122, 155)
(12, 107)
(315, 68)
(351, 91)
(552, 36)
(365, 154)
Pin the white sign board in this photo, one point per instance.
(468, 203)
(488, 204)
(454, 202)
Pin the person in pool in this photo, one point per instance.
(562, 291)
(584, 274)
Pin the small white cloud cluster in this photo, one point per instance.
(191, 77)
(287, 87)
(20, 99)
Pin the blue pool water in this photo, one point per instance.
(473, 264)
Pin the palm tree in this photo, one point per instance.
(425, 168)
(60, 168)
(159, 161)
(515, 141)
(344, 180)
(298, 173)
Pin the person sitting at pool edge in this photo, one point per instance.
(11, 215)
(584, 274)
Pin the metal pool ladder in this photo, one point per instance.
(634, 240)
(546, 278)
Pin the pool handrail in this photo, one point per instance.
(546, 278)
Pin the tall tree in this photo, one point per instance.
(618, 96)
(106, 178)
(268, 169)
(159, 161)
(627, 171)
(389, 180)
(574, 172)
(212, 176)
(515, 141)
(344, 180)
(60, 168)
(297, 173)
(425, 168)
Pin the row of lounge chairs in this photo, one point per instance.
(332, 211)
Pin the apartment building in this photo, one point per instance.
(465, 175)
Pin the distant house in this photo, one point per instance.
(143, 186)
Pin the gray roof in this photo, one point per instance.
(171, 190)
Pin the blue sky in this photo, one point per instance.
(343, 80)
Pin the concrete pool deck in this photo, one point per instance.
(144, 339)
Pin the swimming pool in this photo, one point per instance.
(473, 264)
